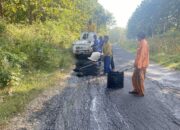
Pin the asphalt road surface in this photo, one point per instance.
(86, 103)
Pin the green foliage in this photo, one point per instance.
(102, 18)
(43, 45)
(72, 15)
(9, 68)
(30, 48)
(155, 17)
(165, 49)
(2, 27)
(4, 78)
(28, 89)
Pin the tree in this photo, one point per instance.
(155, 17)
(117, 35)
(1, 9)
(72, 14)
(102, 18)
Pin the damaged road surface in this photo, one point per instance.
(86, 104)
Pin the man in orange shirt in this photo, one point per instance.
(141, 64)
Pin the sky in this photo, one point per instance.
(121, 9)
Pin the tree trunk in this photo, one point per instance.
(1, 9)
(164, 27)
(30, 17)
(178, 20)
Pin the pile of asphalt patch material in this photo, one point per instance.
(86, 67)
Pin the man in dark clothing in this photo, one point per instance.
(95, 46)
(100, 44)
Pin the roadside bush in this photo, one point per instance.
(66, 59)
(41, 56)
(4, 78)
(2, 27)
(9, 69)
(28, 48)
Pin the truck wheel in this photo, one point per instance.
(82, 56)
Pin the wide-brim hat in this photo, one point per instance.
(95, 56)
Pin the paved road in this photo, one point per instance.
(86, 104)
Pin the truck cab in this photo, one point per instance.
(84, 45)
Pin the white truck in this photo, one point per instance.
(84, 45)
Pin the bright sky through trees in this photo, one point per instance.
(121, 9)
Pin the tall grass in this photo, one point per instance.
(164, 49)
(25, 48)
(27, 90)
(30, 59)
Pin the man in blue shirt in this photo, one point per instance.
(100, 44)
